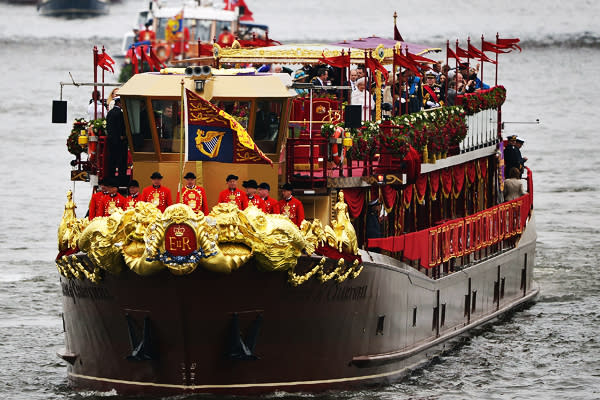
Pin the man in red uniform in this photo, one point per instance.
(290, 206)
(97, 200)
(113, 200)
(134, 195)
(232, 194)
(156, 194)
(193, 195)
(147, 34)
(271, 205)
(226, 38)
(251, 188)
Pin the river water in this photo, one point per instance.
(548, 351)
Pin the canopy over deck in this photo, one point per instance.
(310, 53)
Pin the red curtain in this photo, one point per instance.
(421, 186)
(392, 243)
(407, 195)
(416, 246)
(483, 167)
(434, 183)
(471, 172)
(389, 195)
(446, 181)
(459, 178)
(355, 198)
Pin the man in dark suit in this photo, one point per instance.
(117, 143)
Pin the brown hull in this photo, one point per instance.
(313, 337)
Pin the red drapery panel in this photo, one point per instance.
(530, 185)
(389, 195)
(416, 246)
(471, 172)
(421, 186)
(446, 181)
(407, 195)
(392, 243)
(434, 183)
(483, 167)
(458, 172)
(355, 198)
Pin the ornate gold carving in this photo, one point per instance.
(352, 272)
(225, 240)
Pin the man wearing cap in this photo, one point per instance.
(193, 195)
(147, 34)
(290, 206)
(373, 220)
(512, 154)
(156, 194)
(117, 142)
(432, 95)
(97, 201)
(113, 200)
(232, 194)
(251, 188)
(226, 38)
(271, 205)
(134, 195)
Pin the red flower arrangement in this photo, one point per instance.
(482, 100)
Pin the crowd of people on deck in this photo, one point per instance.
(108, 199)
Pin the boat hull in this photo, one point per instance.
(73, 8)
(179, 334)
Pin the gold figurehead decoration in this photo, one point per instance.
(147, 241)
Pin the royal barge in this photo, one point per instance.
(239, 301)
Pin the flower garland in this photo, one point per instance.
(492, 98)
(73, 146)
(98, 126)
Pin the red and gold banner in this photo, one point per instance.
(214, 135)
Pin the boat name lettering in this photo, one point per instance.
(85, 292)
(339, 293)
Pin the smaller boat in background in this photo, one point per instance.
(73, 8)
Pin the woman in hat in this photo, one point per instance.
(193, 195)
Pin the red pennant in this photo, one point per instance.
(342, 61)
(375, 65)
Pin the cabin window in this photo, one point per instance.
(240, 110)
(220, 25)
(200, 30)
(139, 124)
(167, 118)
(266, 124)
(380, 321)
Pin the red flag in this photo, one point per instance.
(487, 46)
(342, 61)
(509, 43)
(375, 65)
(144, 57)
(245, 13)
(421, 61)
(474, 50)
(452, 54)
(463, 53)
(402, 61)
(106, 62)
(397, 35)
(134, 61)
(156, 60)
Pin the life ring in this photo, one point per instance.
(335, 150)
(163, 52)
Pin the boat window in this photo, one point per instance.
(221, 24)
(200, 29)
(160, 28)
(240, 110)
(167, 117)
(266, 124)
(142, 18)
(139, 124)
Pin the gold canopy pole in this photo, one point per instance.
(181, 138)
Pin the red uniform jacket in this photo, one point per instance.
(160, 196)
(132, 200)
(272, 205)
(147, 34)
(234, 196)
(194, 197)
(293, 209)
(258, 202)
(111, 203)
(96, 204)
